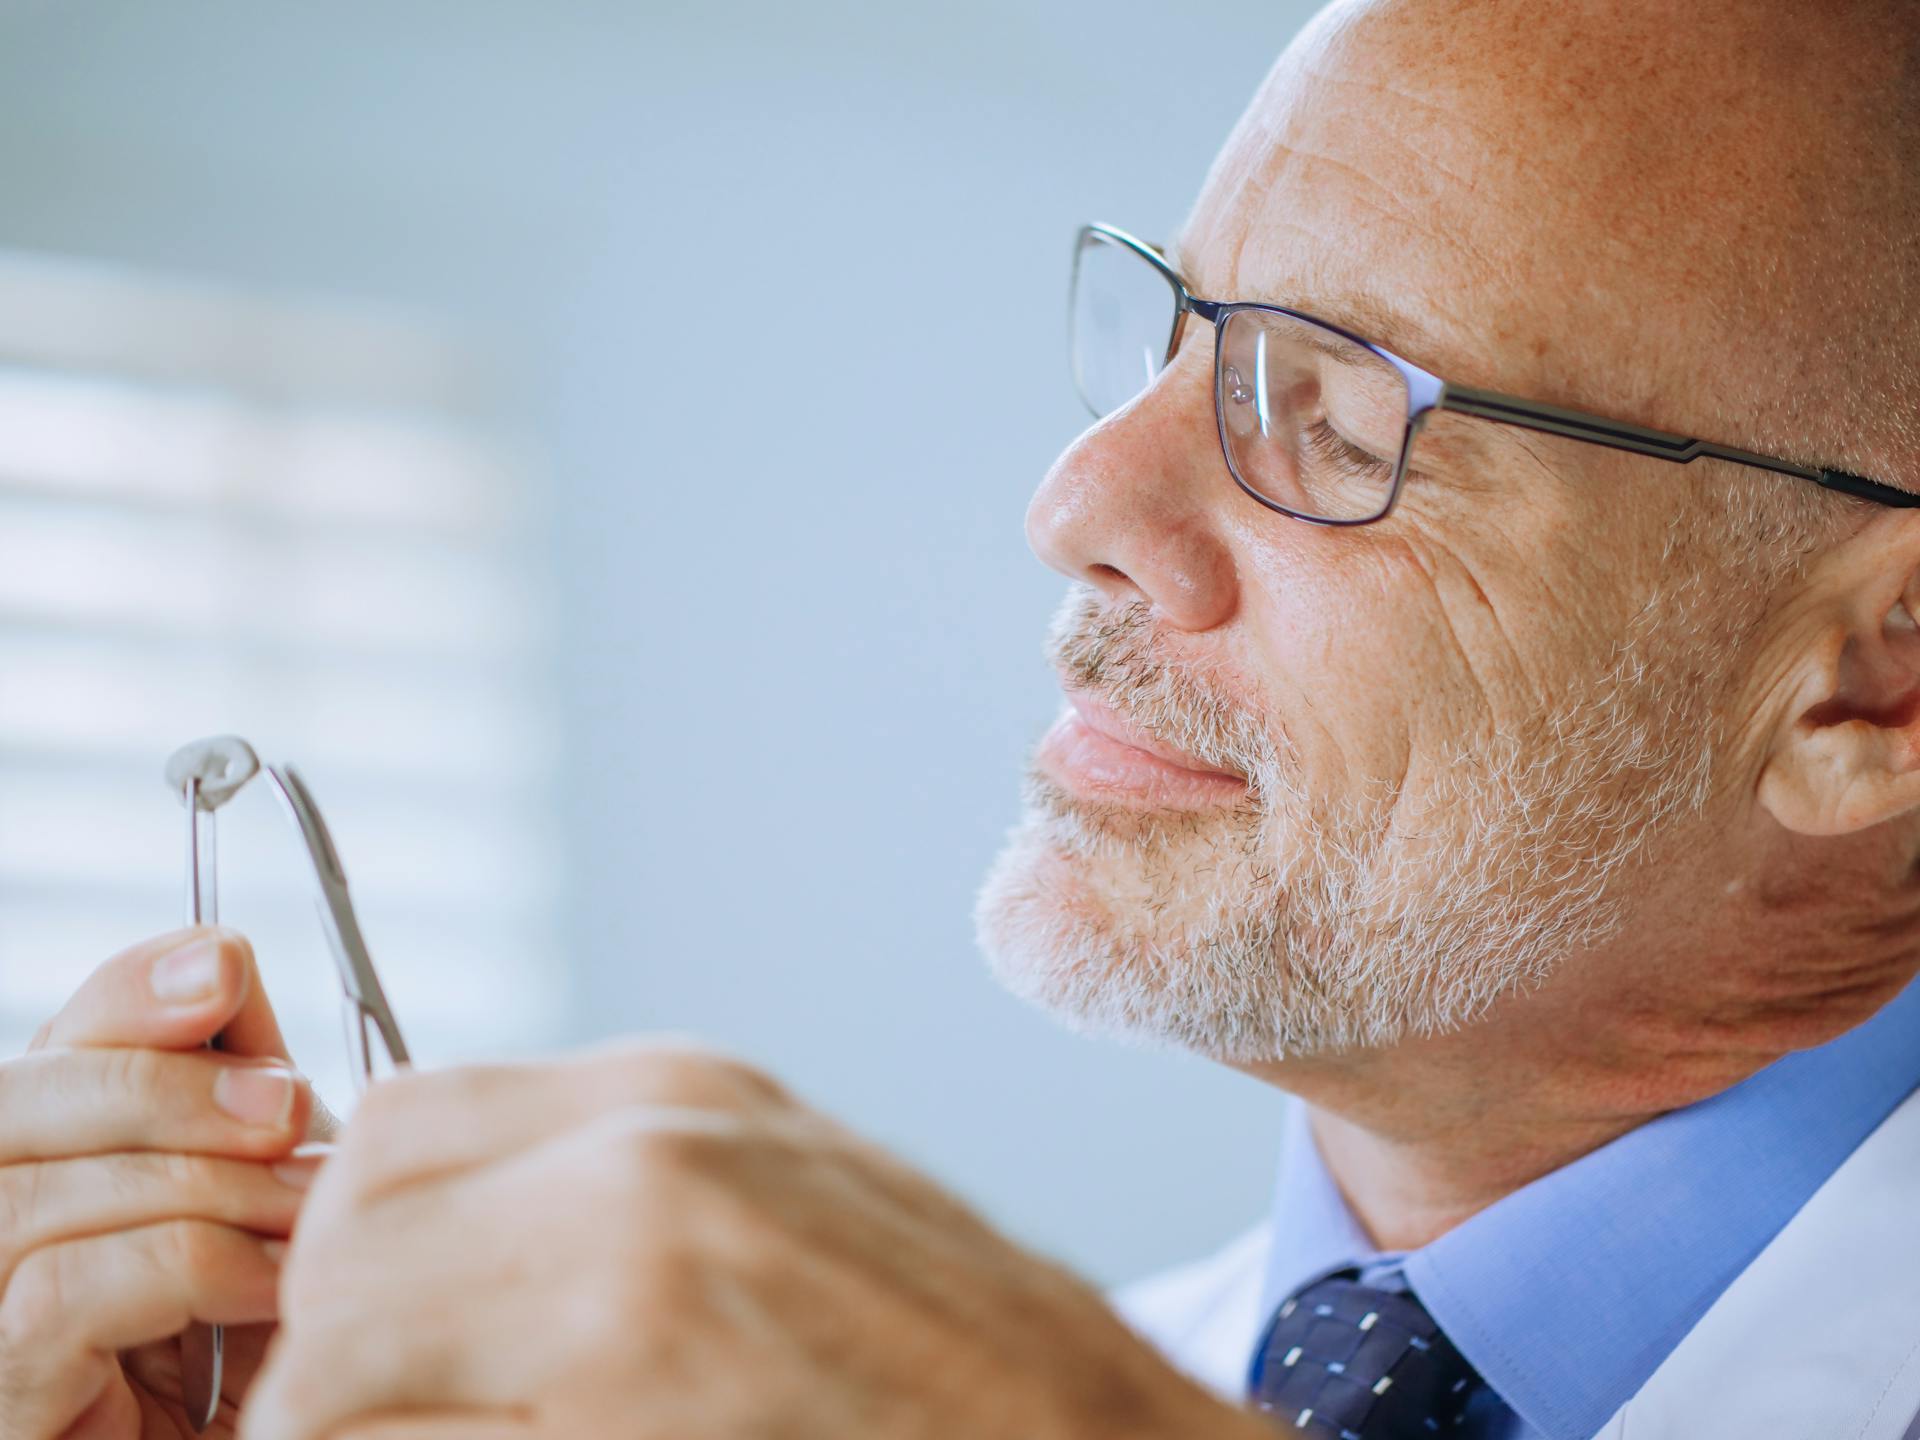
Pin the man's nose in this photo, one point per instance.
(1132, 507)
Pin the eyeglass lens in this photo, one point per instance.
(1310, 421)
(1122, 321)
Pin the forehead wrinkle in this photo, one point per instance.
(1475, 265)
(1444, 301)
(1393, 202)
(1321, 156)
(1437, 120)
(1447, 145)
(1295, 277)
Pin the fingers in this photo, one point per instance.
(114, 1291)
(337, 1379)
(173, 992)
(542, 1290)
(355, 1343)
(44, 1202)
(60, 1103)
(534, 1296)
(115, 1415)
(68, 1307)
(423, 1124)
(156, 1370)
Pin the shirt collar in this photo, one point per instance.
(1569, 1293)
(1314, 1231)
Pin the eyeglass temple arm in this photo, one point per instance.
(1617, 434)
(357, 975)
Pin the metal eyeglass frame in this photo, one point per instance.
(1427, 392)
(205, 775)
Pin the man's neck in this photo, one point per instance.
(1424, 1135)
(1412, 1168)
(1405, 1195)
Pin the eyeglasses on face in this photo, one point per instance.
(1316, 422)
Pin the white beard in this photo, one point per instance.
(1286, 926)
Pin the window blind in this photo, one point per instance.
(306, 525)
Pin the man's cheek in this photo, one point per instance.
(1347, 660)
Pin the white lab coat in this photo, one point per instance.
(1818, 1339)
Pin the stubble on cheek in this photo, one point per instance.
(1298, 922)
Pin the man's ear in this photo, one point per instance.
(1846, 755)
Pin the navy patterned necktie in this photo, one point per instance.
(1346, 1361)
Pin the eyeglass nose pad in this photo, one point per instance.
(1237, 389)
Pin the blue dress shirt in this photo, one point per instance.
(1569, 1293)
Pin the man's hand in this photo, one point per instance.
(657, 1242)
(142, 1186)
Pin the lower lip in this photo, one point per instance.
(1097, 766)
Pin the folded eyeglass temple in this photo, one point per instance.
(205, 775)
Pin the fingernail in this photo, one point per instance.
(257, 1095)
(298, 1173)
(188, 974)
(274, 1250)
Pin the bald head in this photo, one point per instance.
(1705, 217)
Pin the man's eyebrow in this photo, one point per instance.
(1364, 313)
(1377, 320)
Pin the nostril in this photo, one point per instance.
(1113, 581)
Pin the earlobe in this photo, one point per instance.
(1836, 777)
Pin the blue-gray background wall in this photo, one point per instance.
(777, 293)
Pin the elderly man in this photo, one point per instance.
(1494, 718)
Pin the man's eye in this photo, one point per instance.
(1330, 447)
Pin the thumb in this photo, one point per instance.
(173, 992)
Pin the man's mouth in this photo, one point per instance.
(1094, 751)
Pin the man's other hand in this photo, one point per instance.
(144, 1183)
(659, 1242)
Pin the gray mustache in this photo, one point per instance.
(1116, 653)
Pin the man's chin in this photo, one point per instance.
(1083, 937)
(1186, 936)
(1047, 933)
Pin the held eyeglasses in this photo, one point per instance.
(1315, 421)
(204, 776)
